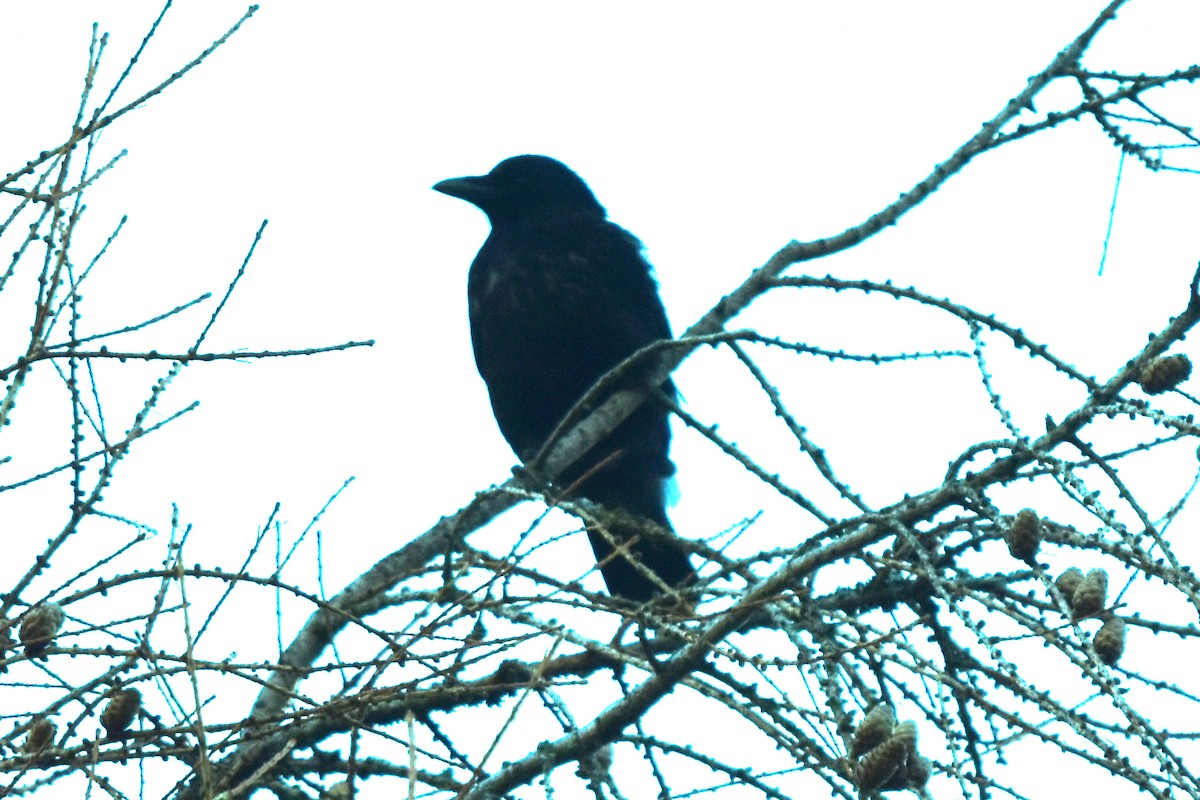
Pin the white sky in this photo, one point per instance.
(714, 135)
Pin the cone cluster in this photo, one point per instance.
(886, 754)
(1087, 597)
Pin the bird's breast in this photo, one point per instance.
(534, 303)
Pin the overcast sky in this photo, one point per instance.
(714, 136)
(714, 132)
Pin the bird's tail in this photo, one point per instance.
(637, 562)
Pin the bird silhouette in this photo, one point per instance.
(558, 296)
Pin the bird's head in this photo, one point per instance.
(525, 187)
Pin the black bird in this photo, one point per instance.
(558, 296)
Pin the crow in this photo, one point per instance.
(558, 296)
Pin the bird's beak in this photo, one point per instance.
(473, 189)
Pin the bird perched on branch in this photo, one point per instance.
(558, 296)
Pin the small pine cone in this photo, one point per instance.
(1067, 583)
(1109, 641)
(117, 716)
(920, 770)
(874, 730)
(1024, 535)
(38, 736)
(877, 768)
(1090, 595)
(1163, 374)
(904, 734)
(40, 626)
